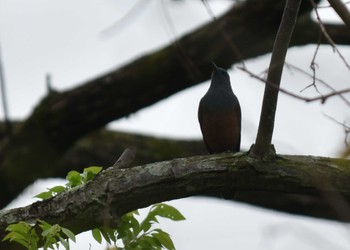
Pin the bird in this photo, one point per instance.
(219, 115)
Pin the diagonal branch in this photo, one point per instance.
(341, 10)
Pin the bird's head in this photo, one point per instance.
(219, 76)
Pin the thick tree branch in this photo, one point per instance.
(117, 191)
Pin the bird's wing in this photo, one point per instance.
(200, 119)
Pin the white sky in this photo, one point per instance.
(73, 41)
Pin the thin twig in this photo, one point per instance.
(313, 66)
(182, 52)
(8, 125)
(229, 41)
(126, 19)
(318, 80)
(327, 36)
(343, 124)
(322, 98)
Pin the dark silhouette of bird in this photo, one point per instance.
(219, 115)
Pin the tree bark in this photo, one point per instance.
(115, 191)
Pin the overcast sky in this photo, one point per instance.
(81, 39)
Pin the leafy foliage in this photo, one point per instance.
(131, 233)
(23, 234)
(74, 179)
(52, 234)
(135, 235)
(27, 235)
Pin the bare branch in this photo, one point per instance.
(126, 20)
(233, 47)
(345, 127)
(322, 98)
(4, 98)
(313, 66)
(318, 80)
(327, 36)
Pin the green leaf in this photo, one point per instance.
(44, 225)
(90, 173)
(20, 227)
(135, 212)
(129, 229)
(22, 242)
(50, 193)
(93, 169)
(17, 237)
(148, 221)
(125, 228)
(23, 234)
(52, 231)
(65, 243)
(34, 239)
(74, 179)
(164, 239)
(106, 237)
(112, 233)
(108, 234)
(134, 224)
(44, 195)
(149, 242)
(167, 211)
(69, 233)
(57, 189)
(96, 233)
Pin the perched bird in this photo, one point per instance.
(219, 115)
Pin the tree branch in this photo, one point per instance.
(8, 125)
(327, 36)
(341, 10)
(261, 148)
(114, 191)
